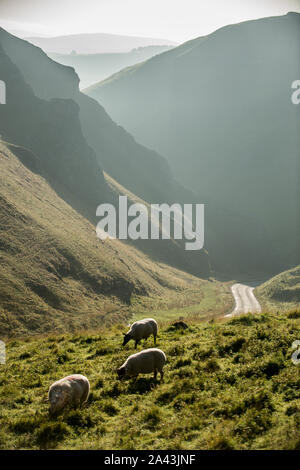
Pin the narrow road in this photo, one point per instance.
(245, 300)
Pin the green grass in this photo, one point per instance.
(205, 304)
(227, 385)
(281, 292)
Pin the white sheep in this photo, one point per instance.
(69, 391)
(141, 329)
(143, 362)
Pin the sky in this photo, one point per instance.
(177, 20)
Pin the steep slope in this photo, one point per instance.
(281, 292)
(219, 107)
(52, 131)
(74, 137)
(92, 68)
(140, 170)
(55, 275)
(95, 43)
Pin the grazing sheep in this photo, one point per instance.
(143, 362)
(180, 325)
(72, 390)
(141, 329)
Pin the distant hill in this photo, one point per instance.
(281, 292)
(95, 43)
(75, 139)
(55, 275)
(92, 68)
(219, 108)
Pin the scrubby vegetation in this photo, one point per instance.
(228, 385)
(281, 292)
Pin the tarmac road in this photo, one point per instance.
(245, 300)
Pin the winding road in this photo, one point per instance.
(245, 300)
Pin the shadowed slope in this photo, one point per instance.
(55, 275)
(74, 138)
(281, 291)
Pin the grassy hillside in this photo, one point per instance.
(219, 108)
(281, 292)
(55, 275)
(229, 385)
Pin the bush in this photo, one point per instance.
(62, 358)
(50, 434)
(24, 425)
(223, 443)
(110, 409)
(166, 397)
(24, 355)
(152, 417)
(232, 347)
(253, 423)
(182, 363)
(294, 315)
(77, 419)
(271, 368)
(211, 365)
(246, 320)
(291, 410)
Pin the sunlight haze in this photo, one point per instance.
(169, 19)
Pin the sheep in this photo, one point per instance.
(179, 324)
(143, 362)
(141, 329)
(71, 390)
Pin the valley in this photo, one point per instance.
(145, 179)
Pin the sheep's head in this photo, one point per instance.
(127, 338)
(121, 373)
(58, 399)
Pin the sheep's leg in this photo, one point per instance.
(76, 403)
(84, 397)
(155, 374)
(154, 336)
(136, 343)
(161, 375)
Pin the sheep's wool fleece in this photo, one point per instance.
(145, 362)
(74, 386)
(143, 328)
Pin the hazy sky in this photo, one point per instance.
(178, 20)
